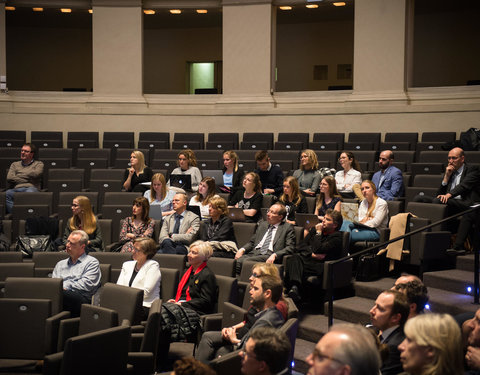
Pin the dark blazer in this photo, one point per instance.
(329, 244)
(203, 291)
(272, 179)
(272, 317)
(392, 185)
(392, 364)
(224, 231)
(469, 186)
(283, 242)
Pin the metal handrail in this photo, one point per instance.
(331, 264)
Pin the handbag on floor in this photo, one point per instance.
(28, 244)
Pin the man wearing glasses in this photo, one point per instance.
(24, 175)
(347, 349)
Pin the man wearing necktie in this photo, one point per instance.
(459, 190)
(273, 239)
(178, 229)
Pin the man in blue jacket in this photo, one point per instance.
(389, 179)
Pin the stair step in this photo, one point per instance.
(371, 289)
(353, 309)
(465, 262)
(455, 281)
(313, 326)
(303, 348)
(442, 301)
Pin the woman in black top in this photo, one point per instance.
(249, 198)
(293, 200)
(137, 173)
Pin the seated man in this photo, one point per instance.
(24, 175)
(273, 239)
(460, 189)
(417, 296)
(323, 242)
(266, 352)
(178, 229)
(388, 179)
(80, 273)
(271, 176)
(265, 292)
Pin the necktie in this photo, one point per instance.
(176, 228)
(268, 239)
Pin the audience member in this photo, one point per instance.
(138, 174)
(293, 200)
(308, 175)
(273, 239)
(405, 278)
(142, 272)
(328, 197)
(265, 292)
(160, 194)
(24, 175)
(84, 219)
(137, 225)
(80, 273)
(218, 230)
(323, 242)
(232, 174)
(190, 366)
(372, 213)
(432, 345)
(459, 190)
(346, 349)
(179, 229)
(388, 179)
(187, 164)
(389, 315)
(249, 198)
(471, 329)
(206, 191)
(348, 181)
(266, 352)
(270, 175)
(417, 296)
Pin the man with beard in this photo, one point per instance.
(388, 180)
(472, 355)
(265, 292)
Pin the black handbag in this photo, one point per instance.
(28, 244)
(370, 267)
(117, 246)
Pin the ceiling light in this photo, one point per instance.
(286, 7)
(202, 11)
(37, 9)
(90, 11)
(9, 8)
(312, 6)
(175, 11)
(148, 11)
(339, 4)
(66, 10)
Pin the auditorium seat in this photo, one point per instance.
(121, 157)
(105, 180)
(154, 140)
(92, 158)
(13, 138)
(43, 139)
(114, 140)
(56, 157)
(399, 141)
(62, 180)
(82, 140)
(292, 141)
(363, 141)
(222, 141)
(257, 141)
(193, 141)
(327, 141)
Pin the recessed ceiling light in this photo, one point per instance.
(37, 9)
(149, 11)
(312, 6)
(339, 4)
(66, 10)
(286, 7)
(202, 11)
(9, 8)
(90, 11)
(175, 11)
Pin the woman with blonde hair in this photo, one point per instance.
(249, 198)
(187, 164)
(137, 174)
(84, 219)
(432, 346)
(206, 191)
(160, 194)
(308, 176)
(232, 174)
(137, 225)
(293, 200)
(328, 197)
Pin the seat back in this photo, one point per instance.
(96, 318)
(227, 291)
(432, 211)
(152, 329)
(290, 328)
(173, 261)
(169, 284)
(45, 262)
(11, 257)
(243, 232)
(123, 299)
(16, 270)
(222, 266)
(106, 271)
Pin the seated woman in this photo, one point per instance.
(142, 272)
(328, 197)
(137, 225)
(84, 219)
(160, 194)
(187, 164)
(349, 180)
(218, 230)
(196, 295)
(308, 176)
(232, 175)
(292, 199)
(372, 212)
(206, 191)
(249, 198)
(432, 346)
(137, 174)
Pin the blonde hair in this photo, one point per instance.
(257, 188)
(267, 269)
(312, 157)
(296, 197)
(442, 334)
(232, 155)
(204, 248)
(89, 219)
(375, 197)
(220, 203)
(190, 156)
(160, 178)
(141, 160)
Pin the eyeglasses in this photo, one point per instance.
(317, 355)
(272, 212)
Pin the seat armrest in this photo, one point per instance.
(142, 362)
(230, 363)
(52, 363)
(52, 327)
(68, 328)
(212, 322)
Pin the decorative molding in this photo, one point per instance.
(245, 2)
(74, 4)
(117, 3)
(182, 4)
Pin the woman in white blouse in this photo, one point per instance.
(349, 179)
(206, 191)
(142, 272)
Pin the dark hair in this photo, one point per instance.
(355, 163)
(33, 148)
(261, 155)
(191, 366)
(271, 346)
(148, 246)
(416, 293)
(336, 217)
(211, 189)
(400, 305)
(275, 286)
(142, 202)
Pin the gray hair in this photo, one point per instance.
(358, 350)
(83, 236)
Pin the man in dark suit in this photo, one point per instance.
(389, 315)
(389, 179)
(459, 190)
(270, 175)
(179, 229)
(272, 240)
(265, 292)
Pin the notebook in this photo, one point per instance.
(155, 212)
(236, 214)
(182, 181)
(216, 174)
(306, 220)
